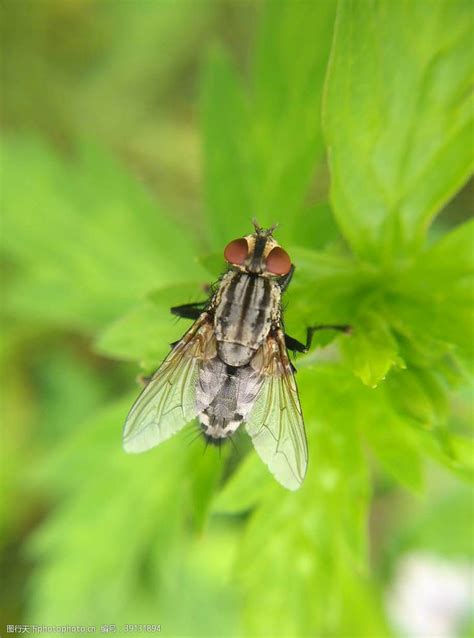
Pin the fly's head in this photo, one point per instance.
(258, 254)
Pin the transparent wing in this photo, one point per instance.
(275, 423)
(168, 402)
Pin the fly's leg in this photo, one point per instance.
(297, 346)
(294, 345)
(189, 310)
(285, 280)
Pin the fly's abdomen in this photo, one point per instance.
(247, 306)
(225, 395)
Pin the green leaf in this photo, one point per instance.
(245, 488)
(452, 254)
(292, 53)
(117, 546)
(419, 394)
(314, 539)
(203, 569)
(106, 497)
(228, 166)
(435, 296)
(205, 474)
(395, 446)
(323, 290)
(93, 246)
(452, 451)
(145, 333)
(398, 118)
(462, 459)
(214, 263)
(261, 150)
(371, 349)
(317, 222)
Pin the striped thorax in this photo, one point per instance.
(247, 303)
(247, 307)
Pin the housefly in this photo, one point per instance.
(231, 368)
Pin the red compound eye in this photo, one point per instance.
(236, 252)
(278, 261)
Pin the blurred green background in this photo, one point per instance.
(137, 139)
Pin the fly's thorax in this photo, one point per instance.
(246, 307)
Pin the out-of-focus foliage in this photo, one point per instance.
(105, 225)
(262, 146)
(80, 237)
(397, 120)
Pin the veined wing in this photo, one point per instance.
(276, 421)
(168, 402)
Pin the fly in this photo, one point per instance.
(231, 368)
